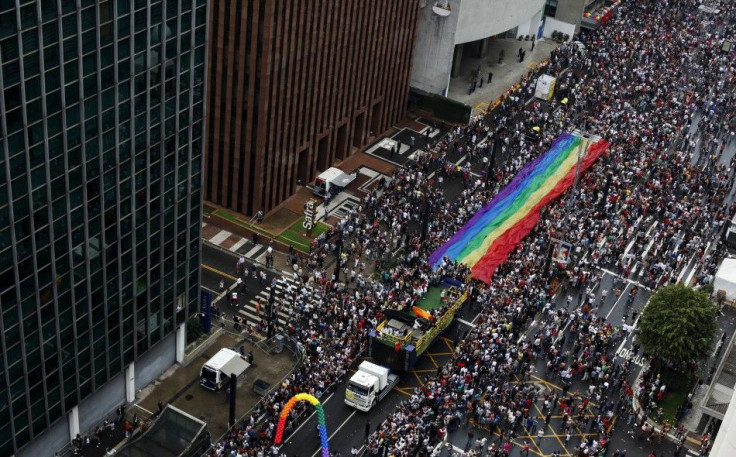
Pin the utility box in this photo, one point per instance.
(278, 344)
(261, 387)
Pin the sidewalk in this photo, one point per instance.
(505, 75)
(180, 387)
(234, 232)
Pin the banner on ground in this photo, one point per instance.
(486, 240)
(561, 252)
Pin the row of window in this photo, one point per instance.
(45, 377)
(89, 13)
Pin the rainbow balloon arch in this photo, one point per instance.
(320, 418)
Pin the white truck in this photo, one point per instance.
(731, 234)
(215, 373)
(369, 385)
(332, 180)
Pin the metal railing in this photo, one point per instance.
(298, 350)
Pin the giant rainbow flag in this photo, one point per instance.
(486, 240)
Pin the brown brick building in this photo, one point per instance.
(295, 86)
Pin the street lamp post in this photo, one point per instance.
(425, 217)
(338, 264)
(269, 318)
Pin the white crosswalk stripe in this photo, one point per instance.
(284, 290)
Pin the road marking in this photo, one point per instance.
(239, 243)
(144, 409)
(623, 293)
(335, 432)
(464, 322)
(308, 419)
(252, 252)
(630, 281)
(221, 236)
(402, 390)
(214, 292)
(626, 338)
(221, 273)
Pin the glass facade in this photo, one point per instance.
(101, 117)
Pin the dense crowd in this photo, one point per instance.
(655, 83)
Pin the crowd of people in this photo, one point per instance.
(653, 81)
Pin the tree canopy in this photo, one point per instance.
(678, 325)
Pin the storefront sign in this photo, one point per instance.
(308, 215)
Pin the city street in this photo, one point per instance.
(220, 265)
(636, 226)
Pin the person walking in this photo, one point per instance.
(525, 449)
(469, 443)
(490, 77)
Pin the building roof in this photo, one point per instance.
(175, 433)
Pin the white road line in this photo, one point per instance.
(630, 281)
(220, 237)
(240, 242)
(144, 409)
(335, 432)
(528, 330)
(255, 249)
(617, 300)
(214, 292)
(633, 327)
(685, 268)
(308, 419)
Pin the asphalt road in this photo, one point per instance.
(346, 426)
(220, 264)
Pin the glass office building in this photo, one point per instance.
(101, 119)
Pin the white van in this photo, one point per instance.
(332, 180)
(215, 373)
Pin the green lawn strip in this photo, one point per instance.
(236, 220)
(291, 239)
(294, 235)
(676, 393)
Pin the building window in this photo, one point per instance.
(550, 9)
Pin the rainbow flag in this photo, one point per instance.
(486, 240)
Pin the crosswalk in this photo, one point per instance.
(288, 295)
(342, 210)
(256, 251)
(232, 242)
(398, 148)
